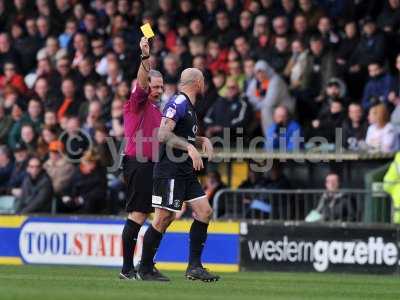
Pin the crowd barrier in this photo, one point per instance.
(231, 246)
(296, 205)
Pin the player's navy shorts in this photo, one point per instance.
(138, 177)
(170, 194)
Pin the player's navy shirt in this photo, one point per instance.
(180, 109)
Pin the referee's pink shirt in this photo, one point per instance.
(141, 119)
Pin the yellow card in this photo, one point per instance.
(147, 31)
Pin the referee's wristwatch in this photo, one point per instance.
(144, 57)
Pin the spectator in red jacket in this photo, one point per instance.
(12, 78)
(217, 58)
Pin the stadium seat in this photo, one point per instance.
(8, 204)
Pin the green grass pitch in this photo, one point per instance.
(76, 283)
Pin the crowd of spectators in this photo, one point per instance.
(273, 68)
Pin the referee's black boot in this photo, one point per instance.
(128, 276)
(200, 273)
(151, 274)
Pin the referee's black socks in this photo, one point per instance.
(129, 238)
(198, 237)
(151, 242)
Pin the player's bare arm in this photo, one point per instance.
(166, 135)
(143, 73)
(206, 146)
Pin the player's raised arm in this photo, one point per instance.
(144, 69)
(167, 136)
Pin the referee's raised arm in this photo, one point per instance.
(144, 69)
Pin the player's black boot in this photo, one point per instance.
(200, 273)
(151, 275)
(128, 276)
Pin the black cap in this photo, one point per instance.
(20, 147)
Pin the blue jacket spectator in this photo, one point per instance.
(378, 86)
(283, 130)
(19, 170)
(6, 165)
(64, 38)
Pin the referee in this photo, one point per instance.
(142, 118)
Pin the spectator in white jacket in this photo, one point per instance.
(297, 65)
(268, 91)
(381, 134)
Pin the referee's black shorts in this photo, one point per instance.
(138, 177)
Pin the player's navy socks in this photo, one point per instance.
(151, 242)
(198, 237)
(129, 238)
